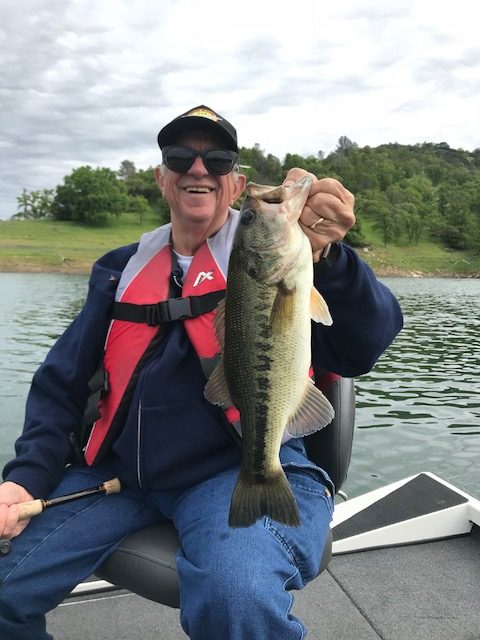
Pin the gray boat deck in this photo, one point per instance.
(426, 591)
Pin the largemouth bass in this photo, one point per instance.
(264, 330)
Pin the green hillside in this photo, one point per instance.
(48, 245)
(51, 245)
(417, 208)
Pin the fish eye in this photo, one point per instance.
(248, 216)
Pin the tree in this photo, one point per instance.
(345, 145)
(35, 204)
(310, 163)
(355, 237)
(476, 157)
(127, 169)
(90, 196)
(404, 204)
(24, 207)
(375, 205)
(143, 183)
(260, 168)
(456, 225)
(387, 223)
(139, 206)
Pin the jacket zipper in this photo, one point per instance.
(139, 434)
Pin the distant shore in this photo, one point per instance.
(48, 246)
(69, 268)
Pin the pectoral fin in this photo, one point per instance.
(319, 309)
(216, 390)
(313, 414)
(219, 323)
(282, 310)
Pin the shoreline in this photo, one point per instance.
(385, 272)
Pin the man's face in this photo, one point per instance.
(198, 196)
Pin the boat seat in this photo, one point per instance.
(144, 562)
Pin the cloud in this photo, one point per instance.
(92, 81)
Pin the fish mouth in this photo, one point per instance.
(268, 201)
(269, 195)
(282, 200)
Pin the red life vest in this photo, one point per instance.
(144, 286)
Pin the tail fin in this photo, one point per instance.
(273, 497)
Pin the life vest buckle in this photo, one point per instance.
(168, 311)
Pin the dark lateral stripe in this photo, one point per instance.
(262, 399)
(262, 345)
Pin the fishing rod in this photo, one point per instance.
(36, 507)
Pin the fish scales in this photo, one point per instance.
(251, 389)
(266, 355)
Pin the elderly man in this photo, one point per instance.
(145, 418)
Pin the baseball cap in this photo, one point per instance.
(200, 117)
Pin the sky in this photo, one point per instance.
(91, 82)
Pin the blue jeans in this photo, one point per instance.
(226, 574)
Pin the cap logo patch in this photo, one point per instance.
(203, 113)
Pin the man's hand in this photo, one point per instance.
(11, 494)
(327, 214)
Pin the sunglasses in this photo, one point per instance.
(219, 162)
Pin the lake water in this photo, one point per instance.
(418, 410)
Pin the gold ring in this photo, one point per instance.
(319, 221)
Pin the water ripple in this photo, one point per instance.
(423, 391)
(419, 409)
(35, 310)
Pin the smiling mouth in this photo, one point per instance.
(198, 189)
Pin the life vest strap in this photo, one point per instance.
(167, 310)
(99, 387)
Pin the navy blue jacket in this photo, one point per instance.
(173, 437)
